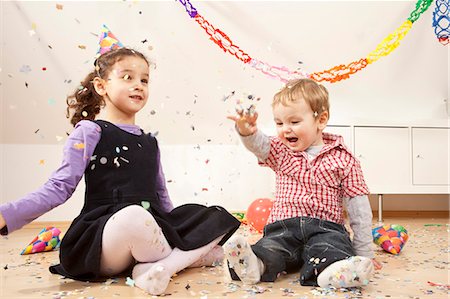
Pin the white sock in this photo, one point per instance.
(151, 277)
(243, 260)
(352, 272)
(212, 258)
(155, 277)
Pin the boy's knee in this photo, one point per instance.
(274, 262)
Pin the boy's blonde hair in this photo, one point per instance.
(314, 94)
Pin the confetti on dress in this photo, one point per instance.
(79, 146)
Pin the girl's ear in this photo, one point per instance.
(99, 86)
(323, 120)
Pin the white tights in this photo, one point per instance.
(133, 234)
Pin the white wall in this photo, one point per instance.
(192, 76)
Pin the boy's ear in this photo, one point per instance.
(323, 120)
(99, 86)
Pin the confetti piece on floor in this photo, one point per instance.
(447, 286)
(111, 281)
(129, 282)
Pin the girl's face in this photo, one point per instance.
(297, 127)
(127, 87)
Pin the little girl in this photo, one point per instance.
(128, 221)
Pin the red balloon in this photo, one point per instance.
(258, 212)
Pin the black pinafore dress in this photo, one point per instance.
(122, 172)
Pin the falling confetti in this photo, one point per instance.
(25, 69)
(226, 97)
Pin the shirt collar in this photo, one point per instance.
(332, 141)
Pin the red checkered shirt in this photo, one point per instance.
(314, 188)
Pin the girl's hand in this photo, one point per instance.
(245, 121)
(2, 221)
(376, 264)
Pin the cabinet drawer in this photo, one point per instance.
(430, 159)
(384, 155)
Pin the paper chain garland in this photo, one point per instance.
(336, 73)
(441, 21)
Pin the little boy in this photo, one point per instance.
(315, 176)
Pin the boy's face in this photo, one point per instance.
(297, 127)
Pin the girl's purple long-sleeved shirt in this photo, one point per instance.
(77, 153)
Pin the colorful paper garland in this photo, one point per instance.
(441, 21)
(332, 75)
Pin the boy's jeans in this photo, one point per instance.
(302, 243)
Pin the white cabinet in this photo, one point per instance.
(430, 156)
(400, 159)
(384, 153)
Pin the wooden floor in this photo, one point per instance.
(423, 261)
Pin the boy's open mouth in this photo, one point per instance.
(136, 98)
(292, 139)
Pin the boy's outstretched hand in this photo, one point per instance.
(245, 121)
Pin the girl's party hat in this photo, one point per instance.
(107, 41)
(391, 238)
(46, 240)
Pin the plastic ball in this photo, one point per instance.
(258, 212)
